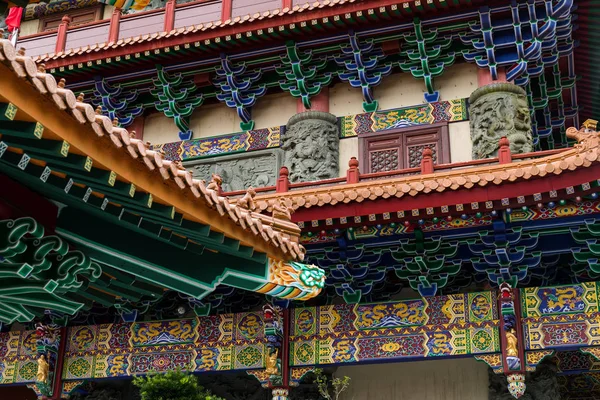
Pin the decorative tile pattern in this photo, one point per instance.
(187, 150)
(433, 327)
(214, 343)
(568, 210)
(443, 111)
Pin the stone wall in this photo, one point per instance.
(458, 379)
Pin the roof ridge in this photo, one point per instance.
(278, 232)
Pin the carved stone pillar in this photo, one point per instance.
(498, 110)
(280, 394)
(312, 145)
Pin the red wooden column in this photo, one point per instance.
(137, 126)
(61, 37)
(318, 103)
(226, 7)
(58, 367)
(485, 78)
(115, 23)
(169, 15)
(286, 4)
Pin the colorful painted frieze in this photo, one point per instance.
(187, 150)
(213, 343)
(561, 317)
(18, 357)
(567, 210)
(451, 325)
(443, 111)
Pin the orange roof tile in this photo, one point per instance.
(280, 235)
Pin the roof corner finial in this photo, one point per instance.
(247, 201)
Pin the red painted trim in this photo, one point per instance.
(228, 30)
(518, 331)
(286, 4)
(193, 3)
(485, 78)
(169, 16)
(115, 23)
(490, 192)
(285, 353)
(39, 34)
(226, 8)
(318, 103)
(60, 360)
(137, 126)
(61, 38)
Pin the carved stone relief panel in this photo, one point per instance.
(240, 171)
(498, 110)
(312, 146)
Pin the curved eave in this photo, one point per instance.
(112, 149)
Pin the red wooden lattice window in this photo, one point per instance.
(403, 148)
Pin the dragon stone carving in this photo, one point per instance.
(498, 110)
(311, 145)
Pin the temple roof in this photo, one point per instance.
(132, 224)
(148, 170)
(531, 176)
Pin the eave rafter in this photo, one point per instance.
(65, 157)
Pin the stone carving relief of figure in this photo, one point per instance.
(239, 174)
(311, 145)
(499, 110)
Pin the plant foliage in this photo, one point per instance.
(173, 385)
(331, 389)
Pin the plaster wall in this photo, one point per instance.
(160, 129)
(273, 110)
(402, 90)
(108, 10)
(348, 149)
(460, 141)
(459, 379)
(29, 27)
(214, 119)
